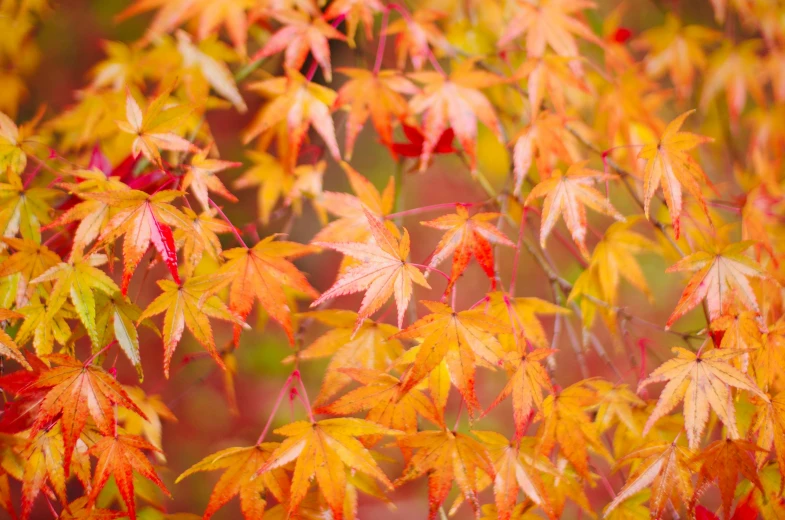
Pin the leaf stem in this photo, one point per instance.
(278, 401)
(429, 268)
(377, 65)
(234, 229)
(432, 207)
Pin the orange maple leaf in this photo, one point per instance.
(241, 465)
(384, 271)
(370, 347)
(528, 380)
(415, 35)
(299, 104)
(143, 219)
(466, 237)
(666, 469)
(201, 178)
(324, 450)
(703, 382)
(720, 278)
(446, 457)
(299, 35)
(455, 99)
(261, 272)
(463, 339)
(544, 141)
(191, 304)
(567, 423)
(723, 460)
(568, 195)
(387, 406)
(119, 456)
(377, 95)
(154, 127)
(355, 11)
(76, 391)
(552, 23)
(668, 163)
(352, 224)
(515, 468)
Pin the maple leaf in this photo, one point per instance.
(324, 449)
(455, 99)
(241, 465)
(191, 304)
(355, 11)
(44, 327)
(276, 182)
(23, 209)
(260, 273)
(677, 49)
(44, 462)
(214, 71)
(115, 318)
(120, 456)
(521, 313)
(768, 426)
(12, 157)
(549, 75)
(78, 279)
(29, 261)
(466, 237)
(617, 405)
(446, 457)
(514, 469)
(370, 347)
(721, 276)
(768, 354)
(384, 271)
(722, 461)
(154, 127)
(735, 69)
(668, 163)
(702, 381)
(352, 224)
(566, 423)
(415, 35)
(547, 136)
(299, 103)
(417, 141)
(666, 468)
(299, 35)
(462, 339)
(149, 428)
(80, 509)
(93, 214)
(201, 240)
(143, 219)
(75, 391)
(8, 347)
(376, 95)
(549, 22)
(201, 178)
(614, 260)
(527, 380)
(568, 195)
(387, 406)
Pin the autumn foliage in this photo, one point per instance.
(508, 349)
